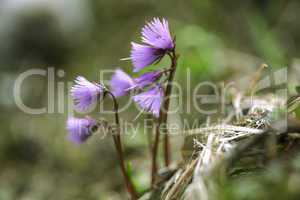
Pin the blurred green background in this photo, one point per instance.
(217, 40)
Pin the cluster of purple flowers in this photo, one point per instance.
(149, 93)
(156, 42)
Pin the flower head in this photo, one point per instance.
(80, 129)
(157, 41)
(147, 78)
(85, 93)
(143, 55)
(120, 83)
(150, 100)
(157, 34)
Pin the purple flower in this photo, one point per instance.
(157, 41)
(143, 55)
(80, 129)
(85, 93)
(157, 34)
(147, 78)
(150, 100)
(120, 83)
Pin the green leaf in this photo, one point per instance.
(298, 89)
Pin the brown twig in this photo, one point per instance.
(163, 120)
(118, 144)
(182, 181)
(256, 78)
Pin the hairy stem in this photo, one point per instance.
(163, 120)
(118, 144)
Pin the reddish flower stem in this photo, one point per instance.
(167, 146)
(162, 120)
(118, 144)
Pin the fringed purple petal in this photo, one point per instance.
(147, 79)
(85, 93)
(80, 129)
(157, 34)
(150, 100)
(120, 83)
(143, 55)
